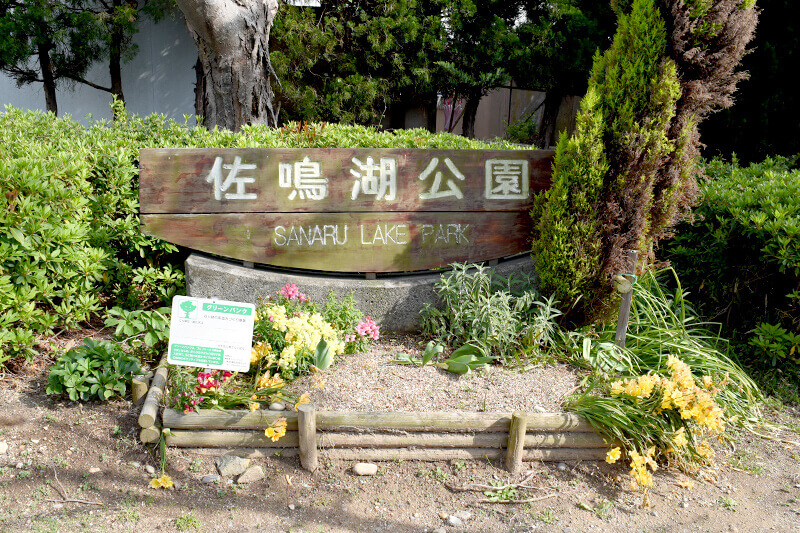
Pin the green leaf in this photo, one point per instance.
(18, 235)
(457, 367)
(323, 355)
(431, 350)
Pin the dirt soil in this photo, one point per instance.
(67, 466)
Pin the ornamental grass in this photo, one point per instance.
(672, 387)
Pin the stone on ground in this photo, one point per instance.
(365, 469)
(231, 465)
(251, 475)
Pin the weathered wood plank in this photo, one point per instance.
(327, 441)
(445, 421)
(457, 440)
(432, 454)
(335, 180)
(409, 454)
(221, 438)
(376, 421)
(232, 419)
(349, 242)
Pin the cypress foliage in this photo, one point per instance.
(628, 173)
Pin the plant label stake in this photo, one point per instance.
(211, 333)
(625, 286)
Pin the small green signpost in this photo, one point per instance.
(211, 333)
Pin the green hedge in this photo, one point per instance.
(741, 258)
(70, 244)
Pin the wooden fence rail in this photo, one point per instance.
(356, 435)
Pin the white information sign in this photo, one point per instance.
(211, 333)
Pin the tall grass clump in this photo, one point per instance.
(671, 387)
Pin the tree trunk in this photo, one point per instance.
(470, 110)
(547, 129)
(232, 39)
(430, 113)
(199, 88)
(115, 60)
(47, 78)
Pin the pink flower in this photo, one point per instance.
(350, 338)
(291, 292)
(368, 328)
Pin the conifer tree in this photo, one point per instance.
(47, 42)
(628, 174)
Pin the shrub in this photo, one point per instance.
(742, 258)
(502, 316)
(96, 370)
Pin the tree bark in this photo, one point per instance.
(115, 60)
(232, 39)
(470, 111)
(47, 78)
(547, 129)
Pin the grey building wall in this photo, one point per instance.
(160, 79)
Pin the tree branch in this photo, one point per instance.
(89, 83)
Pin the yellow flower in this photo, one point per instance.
(680, 438)
(276, 430)
(302, 401)
(163, 482)
(704, 450)
(259, 351)
(612, 455)
(254, 406)
(270, 382)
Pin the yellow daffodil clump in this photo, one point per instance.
(678, 392)
(302, 401)
(613, 455)
(267, 381)
(642, 478)
(163, 482)
(262, 351)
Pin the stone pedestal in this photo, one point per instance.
(393, 302)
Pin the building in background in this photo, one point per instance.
(160, 79)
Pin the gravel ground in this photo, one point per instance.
(370, 382)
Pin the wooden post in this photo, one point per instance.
(151, 434)
(307, 428)
(150, 409)
(516, 442)
(625, 304)
(139, 386)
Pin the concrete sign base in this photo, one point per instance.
(394, 302)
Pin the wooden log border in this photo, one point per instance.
(384, 436)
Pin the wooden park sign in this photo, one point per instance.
(346, 210)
